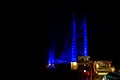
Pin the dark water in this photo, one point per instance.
(62, 74)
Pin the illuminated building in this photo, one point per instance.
(102, 67)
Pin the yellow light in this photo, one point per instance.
(102, 73)
(97, 65)
(74, 63)
(112, 69)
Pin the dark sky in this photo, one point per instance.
(103, 29)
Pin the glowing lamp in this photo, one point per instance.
(97, 65)
(112, 69)
(74, 65)
(84, 70)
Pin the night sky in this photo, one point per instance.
(53, 24)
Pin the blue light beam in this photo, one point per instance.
(85, 38)
(51, 58)
(74, 48)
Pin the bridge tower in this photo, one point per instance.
(79, 42)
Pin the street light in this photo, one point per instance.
(112, 69)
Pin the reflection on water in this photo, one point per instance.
(85, 78)
(64, 75)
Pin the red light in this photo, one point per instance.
(87, 73)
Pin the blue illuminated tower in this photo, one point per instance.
(82, 46)
(74, 36)
(78, 46)
(85, 38)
